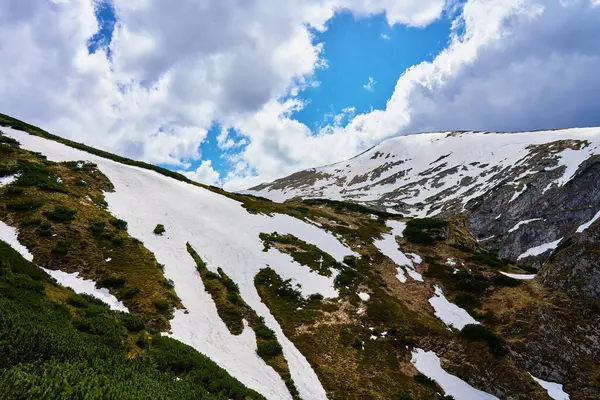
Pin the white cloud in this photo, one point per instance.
(370, 85)
(179, 68)
(205, 173)
(176, 67)
(387, 37)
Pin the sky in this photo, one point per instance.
(239, 92)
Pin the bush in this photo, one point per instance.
(130, 292)
(424, 380)
(264, 332)
(77, 301)
(503, 280)
(30, 221)
(119, 224)
(131, 322)
(23, 205)
(61, 248)
(97, 227)
(269, 349)
(61, 214)
(426, 223)
(111, 281)
(14, 190)
(161, 305)
(402, 396)
(159, 229)
(476, 332)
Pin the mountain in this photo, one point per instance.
(120, 279)
(523, 193)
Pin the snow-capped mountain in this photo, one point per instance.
(522, 192)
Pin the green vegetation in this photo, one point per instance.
(74, 346)
(476, 332)
(426, 231)
(347, 206)
(159, 229)
(59, 223)
(303, 253)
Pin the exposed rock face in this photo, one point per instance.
(523, 193)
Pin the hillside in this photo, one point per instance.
(235, 296)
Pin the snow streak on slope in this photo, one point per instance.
(428, 363)
(555, 390)
(451, 314)
(389, 248)
(426, 170)
(7, 180)
(589, 223)
(519, 276)
(80, 285)
(10, 236)
(520, 223)
(534, 251)
(225, 235)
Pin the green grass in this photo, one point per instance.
(80, 348)
(62, 227)
(303, 253)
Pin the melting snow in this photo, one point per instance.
(225, 235)
(589, 223)
(10, 236)
(555, 390)
(80, 285)
(449, 313)
(451, 262)
(519, 276)
(428, 363)
(534, 251)
(7, 180)
(514, 228)
(389, 248)
(364, 296)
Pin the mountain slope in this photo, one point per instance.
(523, 193)
(306, 300)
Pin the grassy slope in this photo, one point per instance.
(60, 211)
(58, 344)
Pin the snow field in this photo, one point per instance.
(225, 235)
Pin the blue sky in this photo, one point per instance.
(364, 56)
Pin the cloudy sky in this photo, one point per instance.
(237, 92)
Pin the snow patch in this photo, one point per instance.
(7, 180)
(10, 236)
(520, 223)
(80, 285)
(518, 276)
(583, 227)
(535, 251)
(364, 296)
(555, 390)
(389, 248)
(429, 364)
(451, 314)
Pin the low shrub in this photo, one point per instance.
(159, 229)
(111, 281)
(424, 380)
(503, 280)
(119, 224)
(23, 205)
(61, 214)
(269, 349)
(161, 305)
(77, 301)
(476, 332)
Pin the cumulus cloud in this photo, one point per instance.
(177, 69)
(205, 173)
